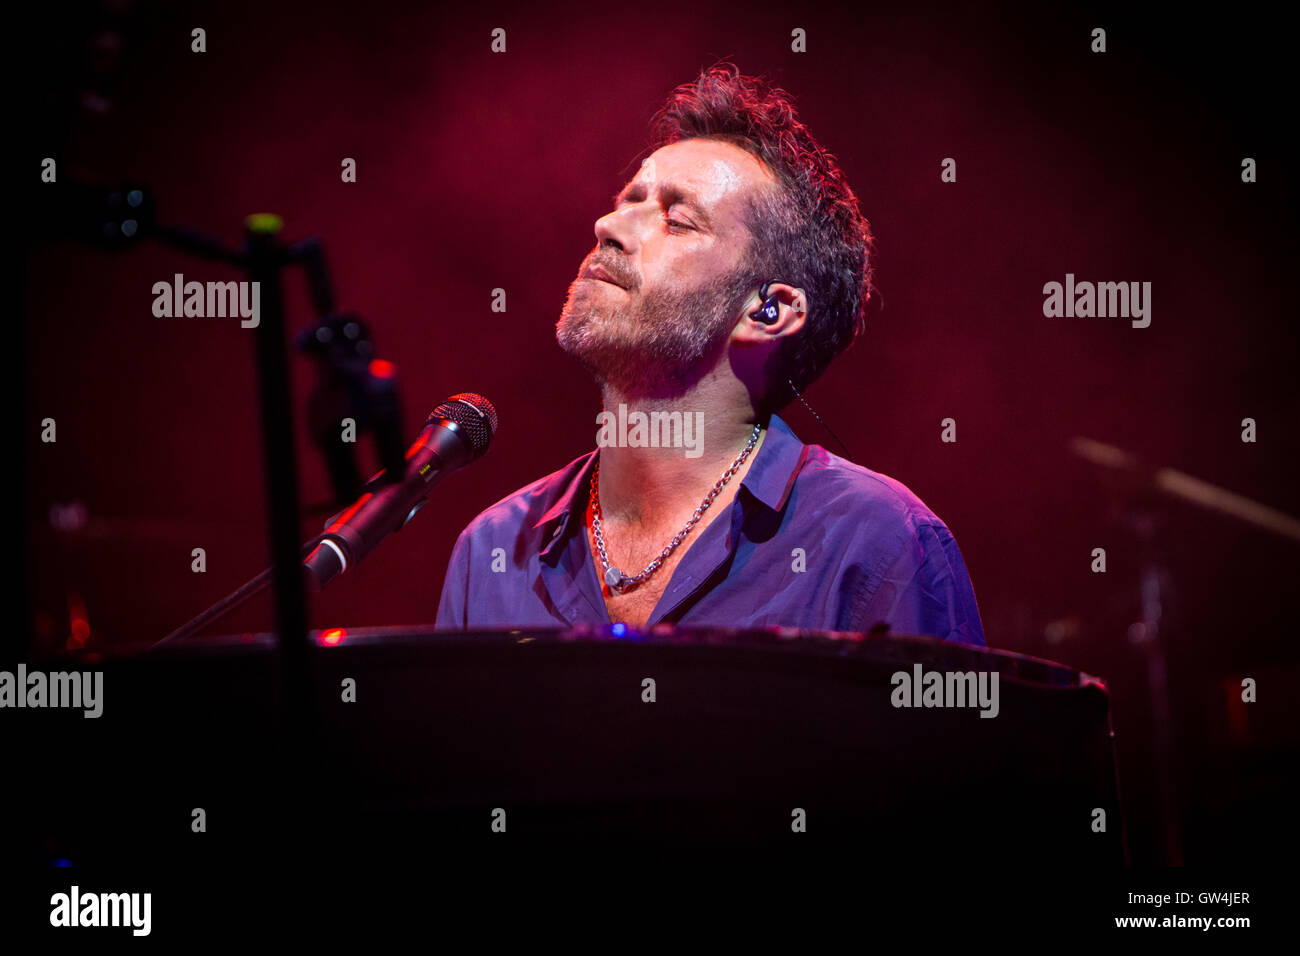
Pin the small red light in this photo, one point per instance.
(333, 636)
(380, 368)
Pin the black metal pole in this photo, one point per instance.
(265, 258)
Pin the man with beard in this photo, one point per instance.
(733, 268)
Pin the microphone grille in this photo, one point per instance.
(474, 414)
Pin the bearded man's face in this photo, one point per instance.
(655, 302)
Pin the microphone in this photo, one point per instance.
(456, 433)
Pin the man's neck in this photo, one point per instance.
(651, 487)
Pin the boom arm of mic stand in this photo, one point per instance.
(198, 244)
(231, 601)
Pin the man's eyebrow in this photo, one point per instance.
(668, 194)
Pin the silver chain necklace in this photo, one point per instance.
(616, 579)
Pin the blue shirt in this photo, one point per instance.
(811, 541)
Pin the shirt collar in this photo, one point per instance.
(557, 515)
(769, 479)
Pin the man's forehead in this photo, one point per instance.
(713, 169)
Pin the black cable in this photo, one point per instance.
(847, 454)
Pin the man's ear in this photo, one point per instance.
(792, 312)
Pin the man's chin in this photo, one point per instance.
(632, 374)
(570, 329)
(620, 351)
(582, 329)
(574, 334)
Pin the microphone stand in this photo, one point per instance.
(263, 257)
(119, 217)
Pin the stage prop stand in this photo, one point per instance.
(1149, 636)
(1133, 490)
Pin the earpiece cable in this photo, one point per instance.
(847, 453)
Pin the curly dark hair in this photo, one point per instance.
(809, 232)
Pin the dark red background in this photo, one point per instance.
(478, 171)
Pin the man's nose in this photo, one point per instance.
(616, 229)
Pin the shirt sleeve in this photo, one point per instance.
(452, 607)
(927, 591)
